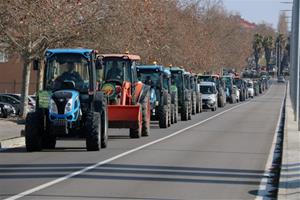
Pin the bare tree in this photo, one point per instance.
(30, 26)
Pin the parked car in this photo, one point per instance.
(6, 110)
(209, 95)
(250, 88)
(237, 93)
(280, 79)
(15, 101)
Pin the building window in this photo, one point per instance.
(3, 57)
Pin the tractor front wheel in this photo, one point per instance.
(34, 131)
(93, 131)
(163, 117)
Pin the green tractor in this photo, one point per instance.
(162, 105)
(69, 104)
(181, 79)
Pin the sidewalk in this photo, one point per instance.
(10, 134)
(289, 185)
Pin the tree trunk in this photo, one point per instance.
(40, 77)
(25, 88)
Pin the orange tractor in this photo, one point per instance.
(128, 98)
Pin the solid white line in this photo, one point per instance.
(45, 185)
(263, 183)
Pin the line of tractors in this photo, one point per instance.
(84, 93)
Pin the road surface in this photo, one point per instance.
(217, 155)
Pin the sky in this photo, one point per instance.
(259, 11)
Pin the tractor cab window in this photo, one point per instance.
(187, 82)
(177, 79)
(117, 70)
(166, 84)
(63, 68)
(149, 77)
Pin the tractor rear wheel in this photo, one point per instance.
(163, 117)
(104, 127)
(137, 132)
(48, 142)
(93, 131)
(34, 131)
(190, 111)
(146, 117)
(185, 111)
(172, 114)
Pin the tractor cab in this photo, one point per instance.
(158, 78)
(128, 97)
(69, 104)
(181, 79)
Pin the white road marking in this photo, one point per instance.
(48, 184)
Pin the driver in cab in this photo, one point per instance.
(69, 75)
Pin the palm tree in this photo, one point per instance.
(257, 48)
(268, 46)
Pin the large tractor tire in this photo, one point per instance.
(190, 111)
(194, 104)
(198, 106)
(137, 132)
(93, 131)
(104, 127)
(172, 113)
(176, 112)
(48, 141)
(185, 111)
(146, 117)
(169, 115)
(163, 116)
(34, 131)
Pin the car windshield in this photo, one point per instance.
(63, 68)
(250, 85)
(206, 78)
(149, 77)
(207, 89)
(117, 69)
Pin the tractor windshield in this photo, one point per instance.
(149, 77)
(117, 69)
(177, 79)
(62, 68)
(227, 81)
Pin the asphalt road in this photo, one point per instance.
(223, 157)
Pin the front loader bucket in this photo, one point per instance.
(128, 116)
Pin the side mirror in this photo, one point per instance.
(36, 64)
(99, 64)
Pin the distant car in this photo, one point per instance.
(6, 110)
(209, 95)
(280, 79)
(237, 93)
(250, 89)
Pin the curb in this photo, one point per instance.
(289, 183)
(12, 143)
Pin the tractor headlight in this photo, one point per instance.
(53, 107)
(68, 107)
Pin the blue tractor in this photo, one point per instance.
(70, 103)
(163, 107)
